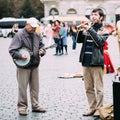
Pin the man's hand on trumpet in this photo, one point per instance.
(85, 25)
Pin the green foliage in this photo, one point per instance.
(21, 8)
(4, 8)
(11, 8)
(27, 10)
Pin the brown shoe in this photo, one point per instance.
(23, 112)
(89, 113)
(42, 110)
(96, 114)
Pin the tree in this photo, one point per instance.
(4, 9)
(21, 8)
(11, 8)
(39, 8)
(27, 10)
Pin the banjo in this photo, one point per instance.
(27, 53)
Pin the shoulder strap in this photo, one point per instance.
(94, 40)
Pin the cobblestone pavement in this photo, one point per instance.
(64, 99)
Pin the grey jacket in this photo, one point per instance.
(22, 39)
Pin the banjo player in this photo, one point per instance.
(29, 74)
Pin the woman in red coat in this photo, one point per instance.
(108, 66)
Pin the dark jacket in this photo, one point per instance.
(97, 58)
(23, 40)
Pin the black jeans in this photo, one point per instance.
(58, 48)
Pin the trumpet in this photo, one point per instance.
(83, 25)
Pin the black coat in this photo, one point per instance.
(97, 58)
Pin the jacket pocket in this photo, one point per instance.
(97, 57)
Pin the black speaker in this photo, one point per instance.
(116, 97)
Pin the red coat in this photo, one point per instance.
(107, 61)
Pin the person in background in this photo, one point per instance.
(118, 71)
(66, 25)
(15, 29)
(49, 34)
(108, 65)
(92, 59)
(29, 74)
(63, 35)
(39, 30)
(117, 33)
(73, 33)
(117, 74)
(56, 36)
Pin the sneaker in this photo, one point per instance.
(23, 112)
(41, 110)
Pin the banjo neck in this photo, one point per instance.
(51, 46)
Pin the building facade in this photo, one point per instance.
(73, 8)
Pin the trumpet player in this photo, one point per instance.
(93, 37)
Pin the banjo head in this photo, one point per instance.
(20, 62)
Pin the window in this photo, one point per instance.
(71, 11)
(53, 12)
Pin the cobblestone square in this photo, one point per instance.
(64, 99)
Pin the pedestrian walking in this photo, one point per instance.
(92, 59)
(28, 74)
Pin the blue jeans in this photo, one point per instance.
(74, 43)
